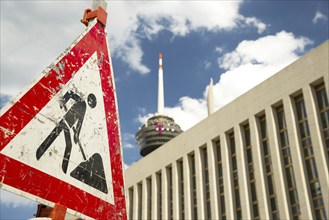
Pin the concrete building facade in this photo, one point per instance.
(263, 156)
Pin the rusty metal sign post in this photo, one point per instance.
(60, 139)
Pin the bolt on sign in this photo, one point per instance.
(60, 141)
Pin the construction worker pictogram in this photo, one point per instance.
(73, 116)
(73, 120)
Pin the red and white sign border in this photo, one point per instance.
(20, 111)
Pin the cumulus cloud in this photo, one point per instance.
(319, 16)
(128, 140)
(219, 50)
(254, 22)
(13, 200)
(206, 64)
(251, 63)
(186, 113)
(276, 49)
(33, 33)
(145, 19)
(245, 67)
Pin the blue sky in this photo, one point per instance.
(237, 43)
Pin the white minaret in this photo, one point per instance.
(160, 88)
(210, 97)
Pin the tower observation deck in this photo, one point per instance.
(158, 129)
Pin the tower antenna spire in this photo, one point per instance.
(160, 88)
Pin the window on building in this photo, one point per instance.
(288, 166)
(194, 196)
(266, 156)
(309, 160)
(250, 167)
(222, 212)
(323, 108)
(181, 189)
(131, 202)
(206, 182)
(170, 193)
(235, 175)
(140, 200)
(149, 197)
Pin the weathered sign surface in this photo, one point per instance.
(59, 140)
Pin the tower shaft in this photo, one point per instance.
(160, 88)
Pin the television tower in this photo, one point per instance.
(160, 128)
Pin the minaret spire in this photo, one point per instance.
(210, 98)
(160, 88)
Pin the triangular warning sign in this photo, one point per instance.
(68, 130)
(60, 140)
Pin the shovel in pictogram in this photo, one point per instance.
(91, 172)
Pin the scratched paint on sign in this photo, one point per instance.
(92, 137)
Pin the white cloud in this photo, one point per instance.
(278, 49)
(134, 20)
(186, 113)
(142, 117)
(254, 61)
(255, 22)
(248, 65)
(219, 50)
(33, 33)
(319, 16)
(206, 64)
(13, 200)
(237, 81)
(128, 141)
